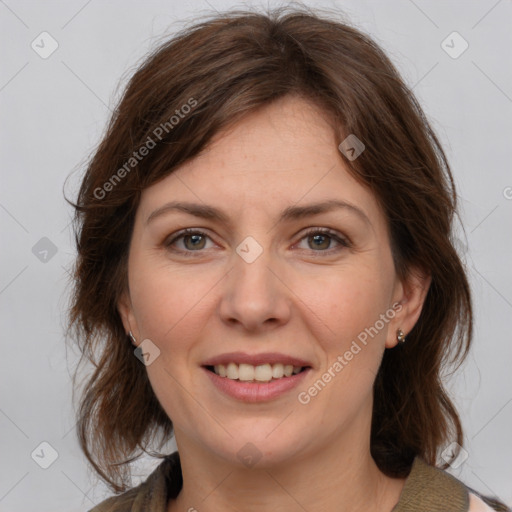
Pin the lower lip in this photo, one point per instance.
(256, 391)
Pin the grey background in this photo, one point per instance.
(54, 111)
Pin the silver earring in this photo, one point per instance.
(400, 336)
(134, 341)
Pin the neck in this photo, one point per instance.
(340, 477)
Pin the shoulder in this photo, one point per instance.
(430, 488)
(125, 502)
(120, 503)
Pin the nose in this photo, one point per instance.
(255, 296)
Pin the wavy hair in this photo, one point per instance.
(223, 68)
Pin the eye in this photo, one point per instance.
(321, 239)
(193, 240)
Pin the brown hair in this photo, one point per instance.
(224, 68)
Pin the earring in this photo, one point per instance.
(134, 341)
(400, 336)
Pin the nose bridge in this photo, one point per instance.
(253, 294)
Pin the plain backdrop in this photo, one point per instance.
(54, 109)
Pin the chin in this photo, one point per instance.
(261, 450)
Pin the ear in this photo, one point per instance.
(125, 309)
(409, 297)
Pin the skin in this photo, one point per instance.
(299, 297)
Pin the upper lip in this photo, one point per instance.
(255, 359)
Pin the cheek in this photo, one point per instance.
(346, 303)
(351, 337)
(171, 310)
(166, 299)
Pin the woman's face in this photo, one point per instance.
(262, 279)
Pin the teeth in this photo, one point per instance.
(261, 373)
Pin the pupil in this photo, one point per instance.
(195, 239)
(317, 238)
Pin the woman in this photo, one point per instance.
(264, 251)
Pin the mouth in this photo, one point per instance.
(258, 387)
(257, 374)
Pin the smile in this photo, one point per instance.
(252, 390)
(261, 373)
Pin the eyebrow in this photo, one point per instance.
(204, 211)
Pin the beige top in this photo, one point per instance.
(426, 489)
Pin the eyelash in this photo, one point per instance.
(343, 242)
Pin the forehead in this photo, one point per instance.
(283, 154)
